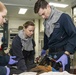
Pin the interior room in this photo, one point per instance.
(15, 20)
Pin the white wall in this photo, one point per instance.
(15, 23)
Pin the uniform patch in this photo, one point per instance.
(57, 25)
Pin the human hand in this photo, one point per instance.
(8, 71)
(43, 52)
(12, 61)
(64, 60)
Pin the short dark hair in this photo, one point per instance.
(40, 4)
(28, 23)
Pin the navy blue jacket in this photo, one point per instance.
(16, 50)
(64, 35)
(3, 62)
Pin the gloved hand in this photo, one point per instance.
(64, 60)
(54, 70)
(8, 71)
(12, 61)
(43, 52)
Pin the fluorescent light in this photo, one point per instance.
(74, 11)
(58, 5)
(22, 11)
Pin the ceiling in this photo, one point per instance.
(14, 5)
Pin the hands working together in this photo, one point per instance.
(11, 62)
(43, 52)
(63, 59)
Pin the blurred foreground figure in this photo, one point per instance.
(5, 60)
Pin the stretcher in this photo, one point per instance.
(45, 73)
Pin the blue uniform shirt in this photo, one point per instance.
(63, 35)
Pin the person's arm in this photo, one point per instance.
(4, 60)
(45, 47)
(70, 29)
(16, 50)
(45, 42)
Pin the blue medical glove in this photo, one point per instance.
(54, 70)
(64, 60)
(8, 71)
(12, 61)
(43, 52)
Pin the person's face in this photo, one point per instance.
(44, 13)
(29, 31)
(2, 17)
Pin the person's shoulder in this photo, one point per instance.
(16, 38)
(65, 15)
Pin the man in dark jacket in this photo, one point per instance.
(23, 47)
(5, 60)
(59, 33)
